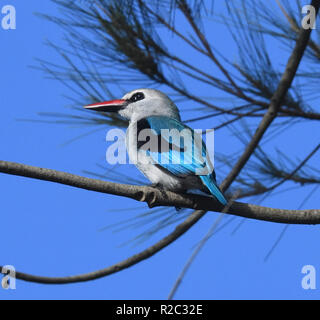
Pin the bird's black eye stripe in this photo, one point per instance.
(136, 97)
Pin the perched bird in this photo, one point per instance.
(165, 150)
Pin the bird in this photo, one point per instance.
(174, 162)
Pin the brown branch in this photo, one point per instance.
(301, 114)
(155, 197)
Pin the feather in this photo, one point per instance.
(175, 148)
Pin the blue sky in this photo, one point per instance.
(53, 230)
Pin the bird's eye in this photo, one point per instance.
(137, 96)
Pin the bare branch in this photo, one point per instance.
(155, 197)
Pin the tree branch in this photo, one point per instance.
(155, 197)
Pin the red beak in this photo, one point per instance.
(108, 106)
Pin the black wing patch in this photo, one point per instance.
(162, 144)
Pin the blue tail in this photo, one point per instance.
(213, 188)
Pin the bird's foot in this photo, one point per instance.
(160, 188)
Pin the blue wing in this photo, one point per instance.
(181, 151)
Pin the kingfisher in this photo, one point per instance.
(169, 153)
